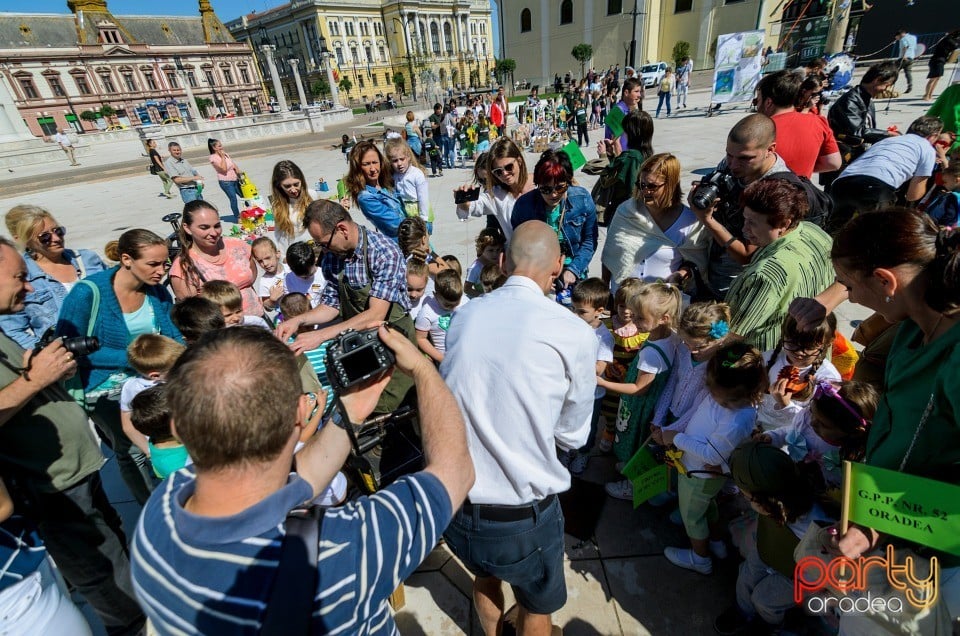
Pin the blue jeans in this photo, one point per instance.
(190, 194)
(449, 154)
(232, 190)
(594, 425)
(526, 553)
(663, 97)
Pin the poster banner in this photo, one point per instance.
(648, 476)
(914, 508)
(737, 68)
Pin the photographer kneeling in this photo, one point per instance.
(208, 545)
(751, 155)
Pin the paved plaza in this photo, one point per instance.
(619, 585)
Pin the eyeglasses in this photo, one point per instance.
(793, 347)
(557, 189)
(508, 168)
(829, 390)
(46, 238)
(326, 246)
(649, 187)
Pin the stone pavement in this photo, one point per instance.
(623, 585)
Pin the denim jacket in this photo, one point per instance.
(42, 305)
(382, 208)
(579, 223)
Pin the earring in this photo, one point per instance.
(887, 299)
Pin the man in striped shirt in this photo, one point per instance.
(206, 550)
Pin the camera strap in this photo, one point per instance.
(290, 606)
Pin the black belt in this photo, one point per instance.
(493, 512)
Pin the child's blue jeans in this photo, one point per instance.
(594, 425)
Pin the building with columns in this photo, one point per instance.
(431, 45)
(540, 34)
(146, 69)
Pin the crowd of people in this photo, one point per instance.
(707, 340)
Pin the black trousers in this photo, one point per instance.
(582, 135)
(857, 194)
(84, 535)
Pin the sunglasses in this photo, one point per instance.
(509, 168)
(46, 238)
(649, 187)
(557, 189)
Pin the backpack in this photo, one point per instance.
(608, 193)
(945, 209)
(821, 205)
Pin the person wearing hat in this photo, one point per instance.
(784, 498)
(66, 145)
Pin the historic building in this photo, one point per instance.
(377, 47)
(91, 69)
(540, 34)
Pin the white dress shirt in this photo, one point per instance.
(523, 369)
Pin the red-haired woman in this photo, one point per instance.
(567, 208)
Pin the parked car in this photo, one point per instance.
(653, 73)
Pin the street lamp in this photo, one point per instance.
(406, 46)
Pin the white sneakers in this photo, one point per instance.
(689, 560)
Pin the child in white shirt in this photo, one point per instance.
(420, 286)
(736, 379)
(489, 246)
(434, 318)
(270, 288)
(304, 276)
(228, 298)
(152, 356)
(409, 180)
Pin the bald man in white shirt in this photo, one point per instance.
(522, 368)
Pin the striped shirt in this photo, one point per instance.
(795, 266)
(208, 575)
(318, 360)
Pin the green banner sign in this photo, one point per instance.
(913, 508)
(648, 476)
(614, 121)
(572, 150)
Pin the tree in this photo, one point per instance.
(107, 111)
(680, 50)
(346, 85)
(320, 88)
(89, 115)
(203, 103)
(504, 69)
(400, 82)
(582, 53)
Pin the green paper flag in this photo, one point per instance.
(614, 121)
(341, 189)
(648, 476)
(914, 508)
(572, 150)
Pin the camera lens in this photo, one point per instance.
(81, 346)
(705, 196)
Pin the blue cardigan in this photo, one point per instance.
(109, 327)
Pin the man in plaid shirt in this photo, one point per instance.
(366, 276)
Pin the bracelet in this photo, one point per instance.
(733, 239)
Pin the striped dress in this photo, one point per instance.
(797, 265)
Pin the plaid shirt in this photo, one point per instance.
(386, 264)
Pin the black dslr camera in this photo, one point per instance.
(356, 356)
(79, 346)
(714, 186)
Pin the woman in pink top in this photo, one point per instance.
(207, 255)
(228, 174)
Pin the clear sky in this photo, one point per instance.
(226, 9)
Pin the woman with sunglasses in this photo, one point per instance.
(654, 236)
(507, 180)
(567, 208)
(52, 271)
(370, 184)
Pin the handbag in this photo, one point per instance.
(290, 606)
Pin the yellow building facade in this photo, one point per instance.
(540, 34)
(376, 47)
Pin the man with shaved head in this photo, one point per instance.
(751, 155)
(522, 368)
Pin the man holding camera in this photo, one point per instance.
(523, 370)
(751, 156)
(210, 542)
(366, 278)
(50, 460)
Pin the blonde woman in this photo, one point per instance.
(289, 202)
